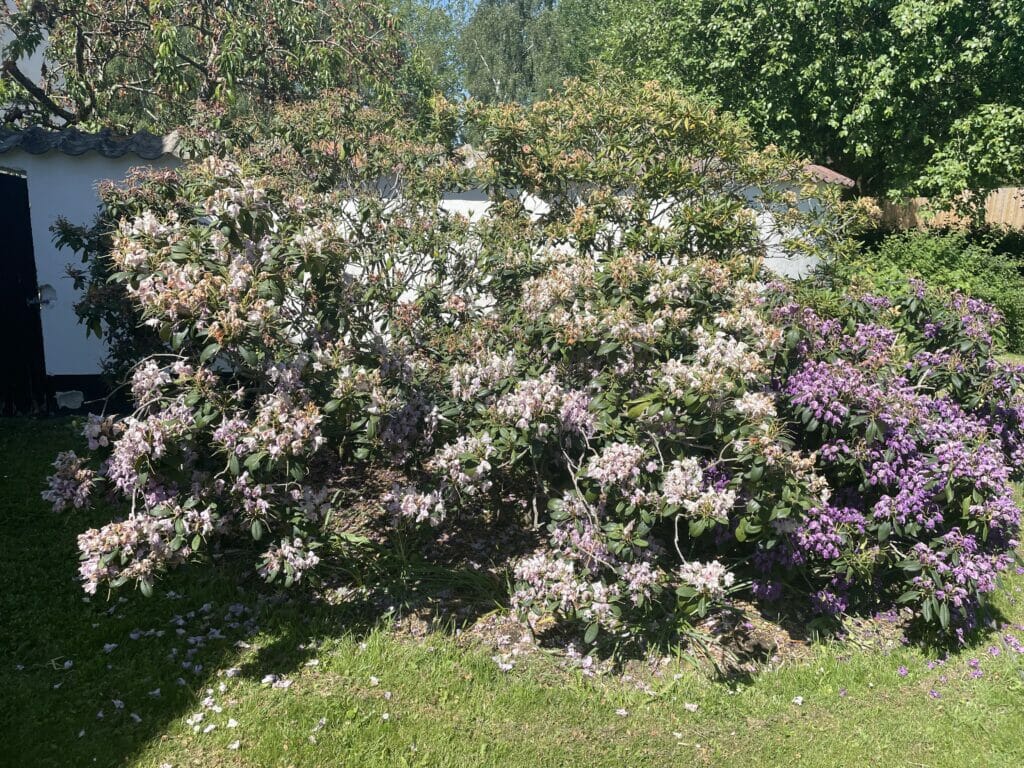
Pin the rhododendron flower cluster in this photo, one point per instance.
(468, 379)
(289, 557)
(682, 481)
(619, 463)
(465, 463)
(710, 580)
(71, 483)
(409, 504)
(543, 403)
(921, 458)
(721, 363)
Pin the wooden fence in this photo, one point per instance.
(1004, 206)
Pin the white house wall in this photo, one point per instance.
(62, 185)
(777, 258)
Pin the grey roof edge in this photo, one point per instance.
(71, 141)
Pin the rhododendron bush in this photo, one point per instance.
(602, 356)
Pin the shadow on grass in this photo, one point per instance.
(461, 578)
(92, 681)
(77, 689)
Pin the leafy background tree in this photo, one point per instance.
(432, 29)
(906, 96)
(519, 50)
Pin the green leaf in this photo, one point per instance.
(638, 409)
(741, 530)
(209, 351)
(252, 462)
(884, 530)
(697, 527)
(247, 355)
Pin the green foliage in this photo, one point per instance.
(953, 260)
(318, 314)
(432, 29)
(671, 170)
(985, 150)
(903, 95)
(142, 64)
(603, 346)
(519, 50)
(290, 145)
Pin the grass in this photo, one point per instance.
(446, 704)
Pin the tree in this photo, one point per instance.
(519, 50)
(985, 150)
(431, 29)
(131, 64)
(883, 90)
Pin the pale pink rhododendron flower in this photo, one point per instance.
(710, 579)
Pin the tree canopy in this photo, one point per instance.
(131, 64)
(519, 50)
(432, 29)
(906, 96)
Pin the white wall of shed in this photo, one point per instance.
(778, 258)
(61, 185)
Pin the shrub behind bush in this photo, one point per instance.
(955, 260)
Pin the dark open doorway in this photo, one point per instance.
(22, 369)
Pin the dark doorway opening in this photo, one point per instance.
(22, 369)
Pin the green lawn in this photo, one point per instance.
(373, 699)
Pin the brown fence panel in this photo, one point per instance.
(1004, 206)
